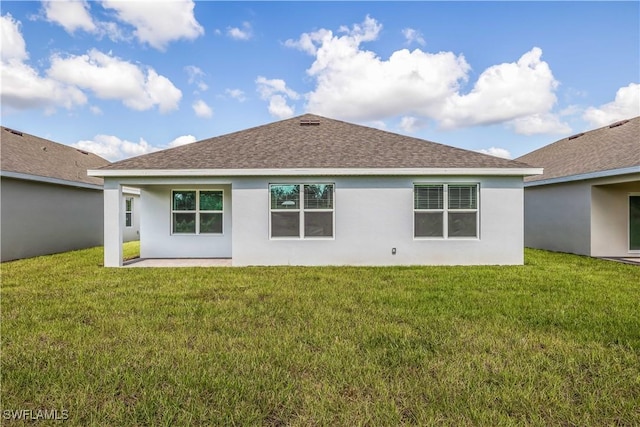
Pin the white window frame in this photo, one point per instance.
(197, 211)
(446, 210)
(302, 210)
(128, 210)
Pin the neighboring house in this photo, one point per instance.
(588, 199)
(48, 203)
(315, 191)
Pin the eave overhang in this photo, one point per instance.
(584, 176)
(49, 180)
(113, 173)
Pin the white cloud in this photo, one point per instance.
(539, 124)
(106, 76)
(22, 87)
(96, 110)
(161, 92)
(625, 106)
(365, 32)
(195, 77)
(113, 148)
(378, 124)
(112, 30)
(12, 45)
(109, 77)
(277, 93)
(279, 108)
(202, 109)
(410, 124)
(158, 22)
(70, 14)
(268, 87)
(570, 110)
(356, 84)
(182, 140)
(496, 152)
(194, 73)
(413, 36)
(236, 94)
(307, 41)
(244, 33)
(75, 15)
(504, 92)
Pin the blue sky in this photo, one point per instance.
(125, 78)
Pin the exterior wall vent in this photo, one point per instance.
(616, 124)
(578, 135)
(15, 132)
(309, 122)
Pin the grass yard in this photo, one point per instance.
(554, 342)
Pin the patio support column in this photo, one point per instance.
(113, 222)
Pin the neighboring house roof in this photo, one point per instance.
(614, 148)
(29, 157)
(309, 142)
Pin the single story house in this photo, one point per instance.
(316, 191)
(48, 202)
(588, 199)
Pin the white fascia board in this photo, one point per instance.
(49, 180)
(315, 172)
(584, 176)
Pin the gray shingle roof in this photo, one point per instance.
(28, 154)
(316, 142)
(616, 146)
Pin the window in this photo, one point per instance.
(306, 216)
(634, 222)
(445, 210)
(128, 212)
(196, 211)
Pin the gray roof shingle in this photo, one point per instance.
(28, 154)
(311, 141)
(615, 146)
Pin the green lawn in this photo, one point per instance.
(553, 342)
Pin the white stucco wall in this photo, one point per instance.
(156, 238)
(557, 217)
(40, 218)
(113, 223)
(374, 215)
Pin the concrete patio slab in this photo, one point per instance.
(178, 262)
